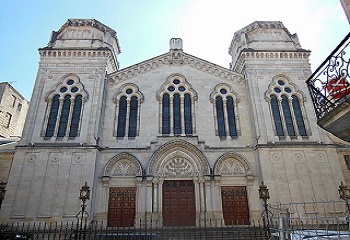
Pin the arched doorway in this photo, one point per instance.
(122, 191)
(179, 168)
(234, 171)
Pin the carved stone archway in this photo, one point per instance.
(178, 159)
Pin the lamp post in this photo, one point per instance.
(82, 216)
(264, 195)
(2, 192)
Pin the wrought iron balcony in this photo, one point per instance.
(329, 87)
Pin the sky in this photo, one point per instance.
(144, 28)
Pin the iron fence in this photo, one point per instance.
(329, 84)
(63, 231)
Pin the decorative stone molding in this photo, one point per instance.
(78, 53)
(123, 164)
(276, 55)
(232, 164)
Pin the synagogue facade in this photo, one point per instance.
(175, 138)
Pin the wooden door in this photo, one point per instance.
(179, 207)
(121, 207)
(235, 205)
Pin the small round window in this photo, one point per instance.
(223, 91)
(171, 88)
(280, 82)
(128, 91)
(176, 81)
(288, 90)
(70, 82)
(277, 90)
(182, 88)
(63, 89)
(75, 89)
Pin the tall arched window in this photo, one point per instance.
(287, 114)
(50, 129)
(64, 111)
(74, 127)
(177, 105)
(166, 114)
(128, 101)
(188, 114)
(122, 117)
(225, 111)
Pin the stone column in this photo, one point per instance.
(148, 195)
(217, 204)
(139, 196)
(202, 216)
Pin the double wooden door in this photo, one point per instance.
(235, 205)
(179, 207)
(121, 207)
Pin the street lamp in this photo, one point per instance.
(82, 216)
(344, 194)
(2, 192)
(264, 195)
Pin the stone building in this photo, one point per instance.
(175, 138)
(13, 112)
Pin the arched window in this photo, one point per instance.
(177, 104)
(177, 114)
(62, 127)
(188, 114)
(220, 117)
(287, 114)
(122, 117)
(225, 111)
(128, 101)
(166, 114)
(276, 116)
(133, 117)
(65, 105)
(231, 116)
(76, 116)
(53, 116)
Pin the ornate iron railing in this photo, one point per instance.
(329, 85)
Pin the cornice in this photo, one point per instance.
(82, 53)
(177, 58)
(263, 56)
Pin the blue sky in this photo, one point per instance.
(144, 28)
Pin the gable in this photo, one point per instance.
(172, 58)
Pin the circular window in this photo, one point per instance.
(288, 90)
(171, 89)
(223, 91)
(182, 88)
(280, 82)
(75, 89)
(63, 89)
(277, 90)
(70, 82)
(176, 81)
(128, 91)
